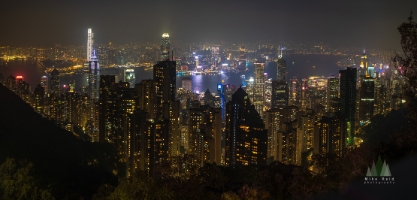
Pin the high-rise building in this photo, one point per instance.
(348, 79)
(128, 75)
(294, 92)
(93, 77)
(147, 97)
(332, 91)
(367, 99)
(259, 88)
(165, 47)
(164, 76)
(39, 99)
(90, 43)
(204, 134)
(55, 81)
(246, 138)
(44, 84)
(281, 71)
(279, 94)
(328, 137)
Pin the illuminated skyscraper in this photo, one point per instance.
(165, 47)
(55, 81)
(93, 76)
(259, 88)
(246, 138)
(367, 97)
(164, 75)
(281, 67)
(348, 79)
(332, 91)
(294, 92)
(128, 75)
(90, 43)
(279, 94)
(44, 84)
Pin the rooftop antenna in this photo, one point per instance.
(172, 55)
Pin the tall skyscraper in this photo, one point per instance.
(348, 79)
(246, 138)
(279, 94)
(259, 88)
(294, 92)
(128, 75)
(164, 76)
(332, 91)
(367, 99)
(44, 84)
(165, 47)
(281, 67)
(55, 81)
(90, 43)
(93, 76)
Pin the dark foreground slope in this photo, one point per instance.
(69, 167)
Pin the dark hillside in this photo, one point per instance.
(63, 163)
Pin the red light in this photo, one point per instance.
(19, 77)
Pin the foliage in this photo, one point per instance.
(18, 182)
(141, 186)
(407, 64)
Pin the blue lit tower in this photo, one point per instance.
(93, 76)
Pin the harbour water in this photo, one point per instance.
(300, 66)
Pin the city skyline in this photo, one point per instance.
(367, 25)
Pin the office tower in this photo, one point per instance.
(246, 138)
(165, 47)
(304, 94)
(164, 76)
(367, 99)
(107, 107)
(332, 91)
(128, 75)
(90, 43)
(281, 71)
(273, 121)
(328, 137)
(39, 99)
(116, 103)
(93, 77)
(44, 84)
(348, 79)
(139, 144)
(279, 94)
(259, 88)
(268, 94)
(305, 134)
(363, 70)
(147, 97)
(204, 134)
(55, 82)
(294, 92)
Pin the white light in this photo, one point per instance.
(165, 35)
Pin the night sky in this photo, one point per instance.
(357, 23)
